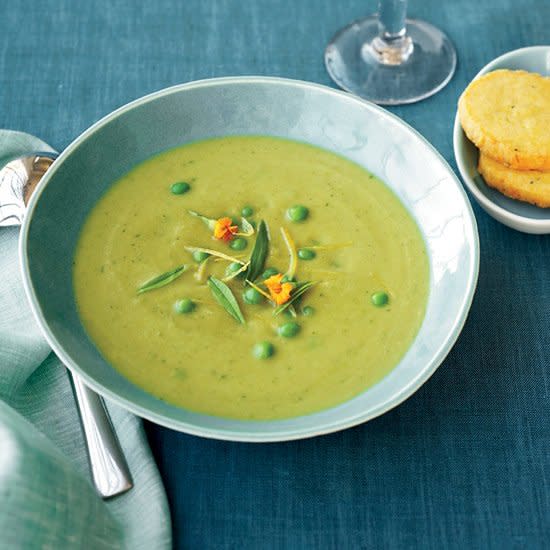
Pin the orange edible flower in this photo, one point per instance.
(223, 229)
(280, 292)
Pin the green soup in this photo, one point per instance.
(356, 241)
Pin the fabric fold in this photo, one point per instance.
(46, 496)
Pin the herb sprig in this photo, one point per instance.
(299, 290)
(162, 280)
(209, 222)
(259, 252)
(247, 229)
(222, 293)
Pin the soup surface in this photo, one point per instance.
(364, 253)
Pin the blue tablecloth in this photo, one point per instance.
(465, 462)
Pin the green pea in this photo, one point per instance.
(308, 311)
(199, 256)
(239, 244)
(306, 254)
(297, 213)
(269, 272)
(263, 350)
(180, 188)
(252, 296)
(185, 306)
(232, 268)
(379, 299)
(289, 330)
(247, 211)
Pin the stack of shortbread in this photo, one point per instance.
(507, 115)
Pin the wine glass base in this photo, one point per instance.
(356, 64)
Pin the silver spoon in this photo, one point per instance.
(110, 471)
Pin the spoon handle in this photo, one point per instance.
(110, 470)
(24, 159)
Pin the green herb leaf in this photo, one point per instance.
(225, 298)
(299, 290)
(259, 253)
(162, 280)
(247, 228)
(209, 222)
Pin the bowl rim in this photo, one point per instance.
(516, 221)
(250, 435)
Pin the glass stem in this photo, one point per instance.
(391, 18)
(392, 46)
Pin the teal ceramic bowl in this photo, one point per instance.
(515, 214)
(360, 131)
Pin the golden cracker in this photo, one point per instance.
(531, 186)
(507, 115)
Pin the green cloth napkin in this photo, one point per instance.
(47, 500)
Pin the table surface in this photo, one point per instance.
(465, 462)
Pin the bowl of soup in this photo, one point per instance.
(251, 258)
